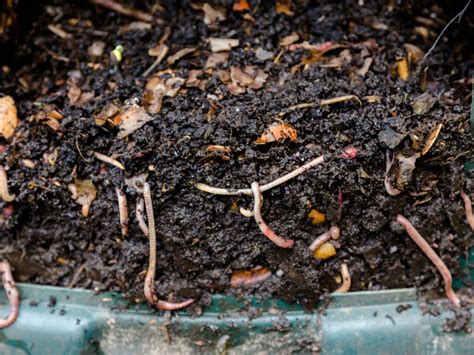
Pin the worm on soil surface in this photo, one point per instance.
(334, 232)
(435, 259)
(468, 208)
(4, 194)
(346, 279)
(266, 230)
(12, 294)
(123, 210)
(149, 287)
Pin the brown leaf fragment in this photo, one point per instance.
(423, 103)
(156, 89)
(284, 7)
(249, 277)
(108, 113)
(8, 117)
(222, 44)
(290, 39)
(132, 119)
(241, 6)
(213, 15)
(180, 54)
(84, 193)
(432, 137)
(276, 132)
(415, 54)
(194, 81)
(216, 58)
(246, 77)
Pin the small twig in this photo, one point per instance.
(58, 31)
(12, 294)
(334, 232)
(109, 160)
(468, 208)
(76, 276)
(346, 279)
(159, 58)
(294, 108)
(123, 210)
(266, 230)
(124, 10)
(435, 259)
(139, 209)
(392, 191)
(457, 17)
(338, 99)
(149, 287)
(4, 194)
(263, 188)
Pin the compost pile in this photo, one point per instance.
(225, 94)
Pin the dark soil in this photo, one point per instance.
(202, 238)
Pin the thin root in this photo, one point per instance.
(392, 191)
(338, 99)
(123, 210)
(334, 232)
(294, 108)
(245, 212)
(346, 279)
(468, 208)
(266, 230)
(263, 188)
(149, 287)
(123, 10)
(139, 210)
(4, 194)
(109, 160)
(12, 294)
(435, 259)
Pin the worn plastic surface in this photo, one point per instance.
(57, 320)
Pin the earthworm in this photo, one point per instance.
(266, 230)
(334, 232)
(139, 214)
(392, 191)
(346, 279)
(270, 185)
(149, 287)
(468, 208)
(123, 210)
(4, 194)
(435, 259)
(109, 160)
(12, 294)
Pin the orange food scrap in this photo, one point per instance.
(277, 132)
(249, 277)
(241, 6)
(325, 251)
(8, 117)
(402, 69)
(316, 217)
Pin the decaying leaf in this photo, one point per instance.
(8, 117)
(49, 116)
(132, 119)
(316, 217)
(249, 277)
(423, 103)
(194, 81)
(180, 54)
(241, 6)
(157, 88)
(216, 58)
(246, 77)
(290, 39)
(84, 193)
(222, 44)
(325, 251)
(406, 166)
(110, 113)
(213, 15)
(276, 132)
(415, 54)
(402, 69)
(431, 138)
(75, 94)
(390, 137)
(284, 7)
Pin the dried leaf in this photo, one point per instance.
(84, 193)
(222, 44)
(193, 80)
(288, 40)
(246, 77)
(415, 54)
(156, 89)
(325, 251)
(276, 132)
(316, 217)
(180, 54)
(263, 54)
(423, 103)
(217, 58)
(432, 137)
(108, 113)
(249, 277)
(406, 166)
(402, 69)
(284, 7)
(241, 6)
(218, 148)
(365, 67)
(132, 119)
(213, 15)
(391, 138)
(8, 117)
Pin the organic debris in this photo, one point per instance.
(4, 194)
(434, 258)
(432, 137)
(278, 132)
(139, 214)
(284, 7)
(110, 113)
(8, 117)
(339, 99)
(132, 119)
(250, 277)
(402, 69)
(423, 104)
(12, 293)
(333, 233)
(316, 217)
(241, 6)
(415, 54)
(160, 51)
(84, 193)
(468, 209)
(346, 279)
(123, 210)
(50, 116)
(124, 10)
(325, 251)
(246, 77)
(213, 15)
(222, 44)
(156, 89)
(109, 160)
(180, 54)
